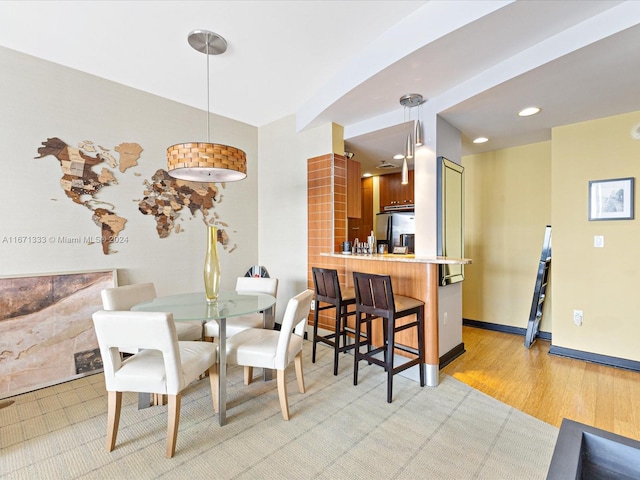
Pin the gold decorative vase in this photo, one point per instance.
(212, 266)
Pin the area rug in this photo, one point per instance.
(337, 431)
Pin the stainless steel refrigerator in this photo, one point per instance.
(390, 227)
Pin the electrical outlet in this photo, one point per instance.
(444, 320)
(313, 304)
(577, 317)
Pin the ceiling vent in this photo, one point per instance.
(384, 165)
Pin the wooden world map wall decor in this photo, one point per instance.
(165, 198)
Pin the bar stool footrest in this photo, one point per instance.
(407, 349)
(406, 365)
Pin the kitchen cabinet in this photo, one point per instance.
(392, 192)
(354, 200)
(361, 227)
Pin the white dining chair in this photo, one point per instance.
(163, 365)
(125, 297)
(251, 320)
(261, 348)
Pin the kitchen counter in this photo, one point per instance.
(412, 276)
(395, 257)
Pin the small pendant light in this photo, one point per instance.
(418, 135)
(408, 150)
(405, 172)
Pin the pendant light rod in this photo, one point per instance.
(208, 70)
(209, 43)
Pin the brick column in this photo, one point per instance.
(327, 216)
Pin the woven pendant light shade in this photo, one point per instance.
(206, 162)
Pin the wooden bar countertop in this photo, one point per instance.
(396, 257)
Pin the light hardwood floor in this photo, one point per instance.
(546, 386)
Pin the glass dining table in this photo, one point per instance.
(194, 306)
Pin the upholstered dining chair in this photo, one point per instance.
(261, 348)
(251, 320)
(163, 365)
(125, 297)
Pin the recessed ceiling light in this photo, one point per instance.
(527, 112)
(481, 140)
(365, 175)
(398, 156)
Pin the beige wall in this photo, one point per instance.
(603, 282)
(39, 100)
(512, 194)
(507, 206)
(282, 204)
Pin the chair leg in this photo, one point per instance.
(248, 375)
(356, 350)
(299, 376)
(213, 380)
(369, 319)
(391, 341)
(172, 424)
(385, 340)
(113, 418)
(336, 340)
(315, 334)
(282, 394)
(343, 325)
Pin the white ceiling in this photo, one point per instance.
(477, 62)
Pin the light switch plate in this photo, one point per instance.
(598, 241)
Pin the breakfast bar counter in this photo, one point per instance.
(412, 276)
(396, 257)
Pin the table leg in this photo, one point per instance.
(268, 321)
(222, 378)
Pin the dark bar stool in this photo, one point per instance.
(375, 299)
(327, 290)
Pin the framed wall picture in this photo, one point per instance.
(46, 329)
(611, 199)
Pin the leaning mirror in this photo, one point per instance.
(450, 208)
